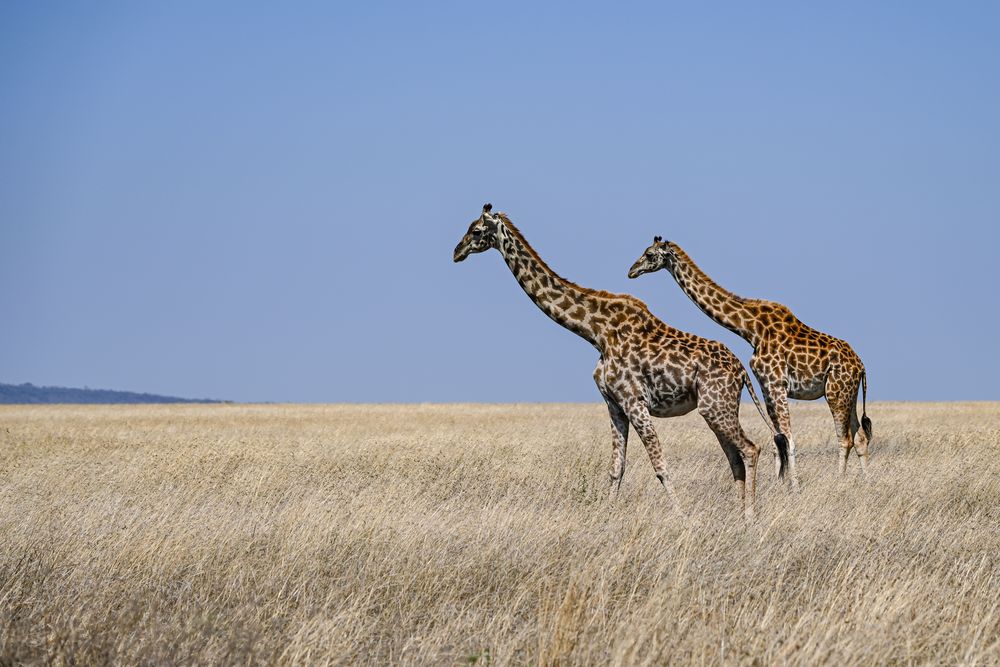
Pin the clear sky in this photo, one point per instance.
(260, 204)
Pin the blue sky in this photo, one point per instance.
(260, 204)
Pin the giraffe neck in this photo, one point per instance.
(731, 311)
(583, 311)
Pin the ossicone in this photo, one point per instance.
(657, 239)
(487, 208)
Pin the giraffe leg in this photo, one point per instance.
(641, 420)
(763, 375)
(776, 400)
(723, 418)
(861, 440)
(619, 442)
(773, 414)
(841, 394)
(842, 424)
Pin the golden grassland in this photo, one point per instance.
(433, 534)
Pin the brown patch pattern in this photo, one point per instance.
(790, 360)
(646, 368)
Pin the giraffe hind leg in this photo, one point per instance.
(735, 460)
(739, 469)
(841, 396)
(863, 437)
(721, 413)
(780, 455)
(743, 456)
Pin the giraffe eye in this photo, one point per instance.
(477, 233)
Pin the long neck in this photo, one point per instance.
(731, 311)
(582, 311)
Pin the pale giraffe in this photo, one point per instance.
(646, 368)
(790, 359)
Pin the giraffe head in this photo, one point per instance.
(482, 235)
(658, 256)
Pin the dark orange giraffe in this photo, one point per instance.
(790, 359)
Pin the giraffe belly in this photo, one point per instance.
(806, 390)
(670, 392)
(667, 406)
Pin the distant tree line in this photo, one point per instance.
(29, 393)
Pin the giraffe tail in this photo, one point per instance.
(780, 441)
(866, 423)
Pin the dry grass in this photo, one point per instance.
(453, 534)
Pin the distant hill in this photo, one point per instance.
(29, 393)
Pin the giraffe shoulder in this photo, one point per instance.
(772, 312)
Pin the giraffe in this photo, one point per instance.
(790, 359)
(645, 369)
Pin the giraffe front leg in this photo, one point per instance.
(619, 444)
(641, 420)
(770, 377)
(776, 400)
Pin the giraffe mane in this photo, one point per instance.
(586, 290)
(683, 256)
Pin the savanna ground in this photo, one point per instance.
(482, 533)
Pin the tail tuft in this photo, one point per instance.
(781, 442)
(866, 423)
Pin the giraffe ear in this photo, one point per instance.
(487, 208)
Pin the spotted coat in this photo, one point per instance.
(646, 368)
(790, 360)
